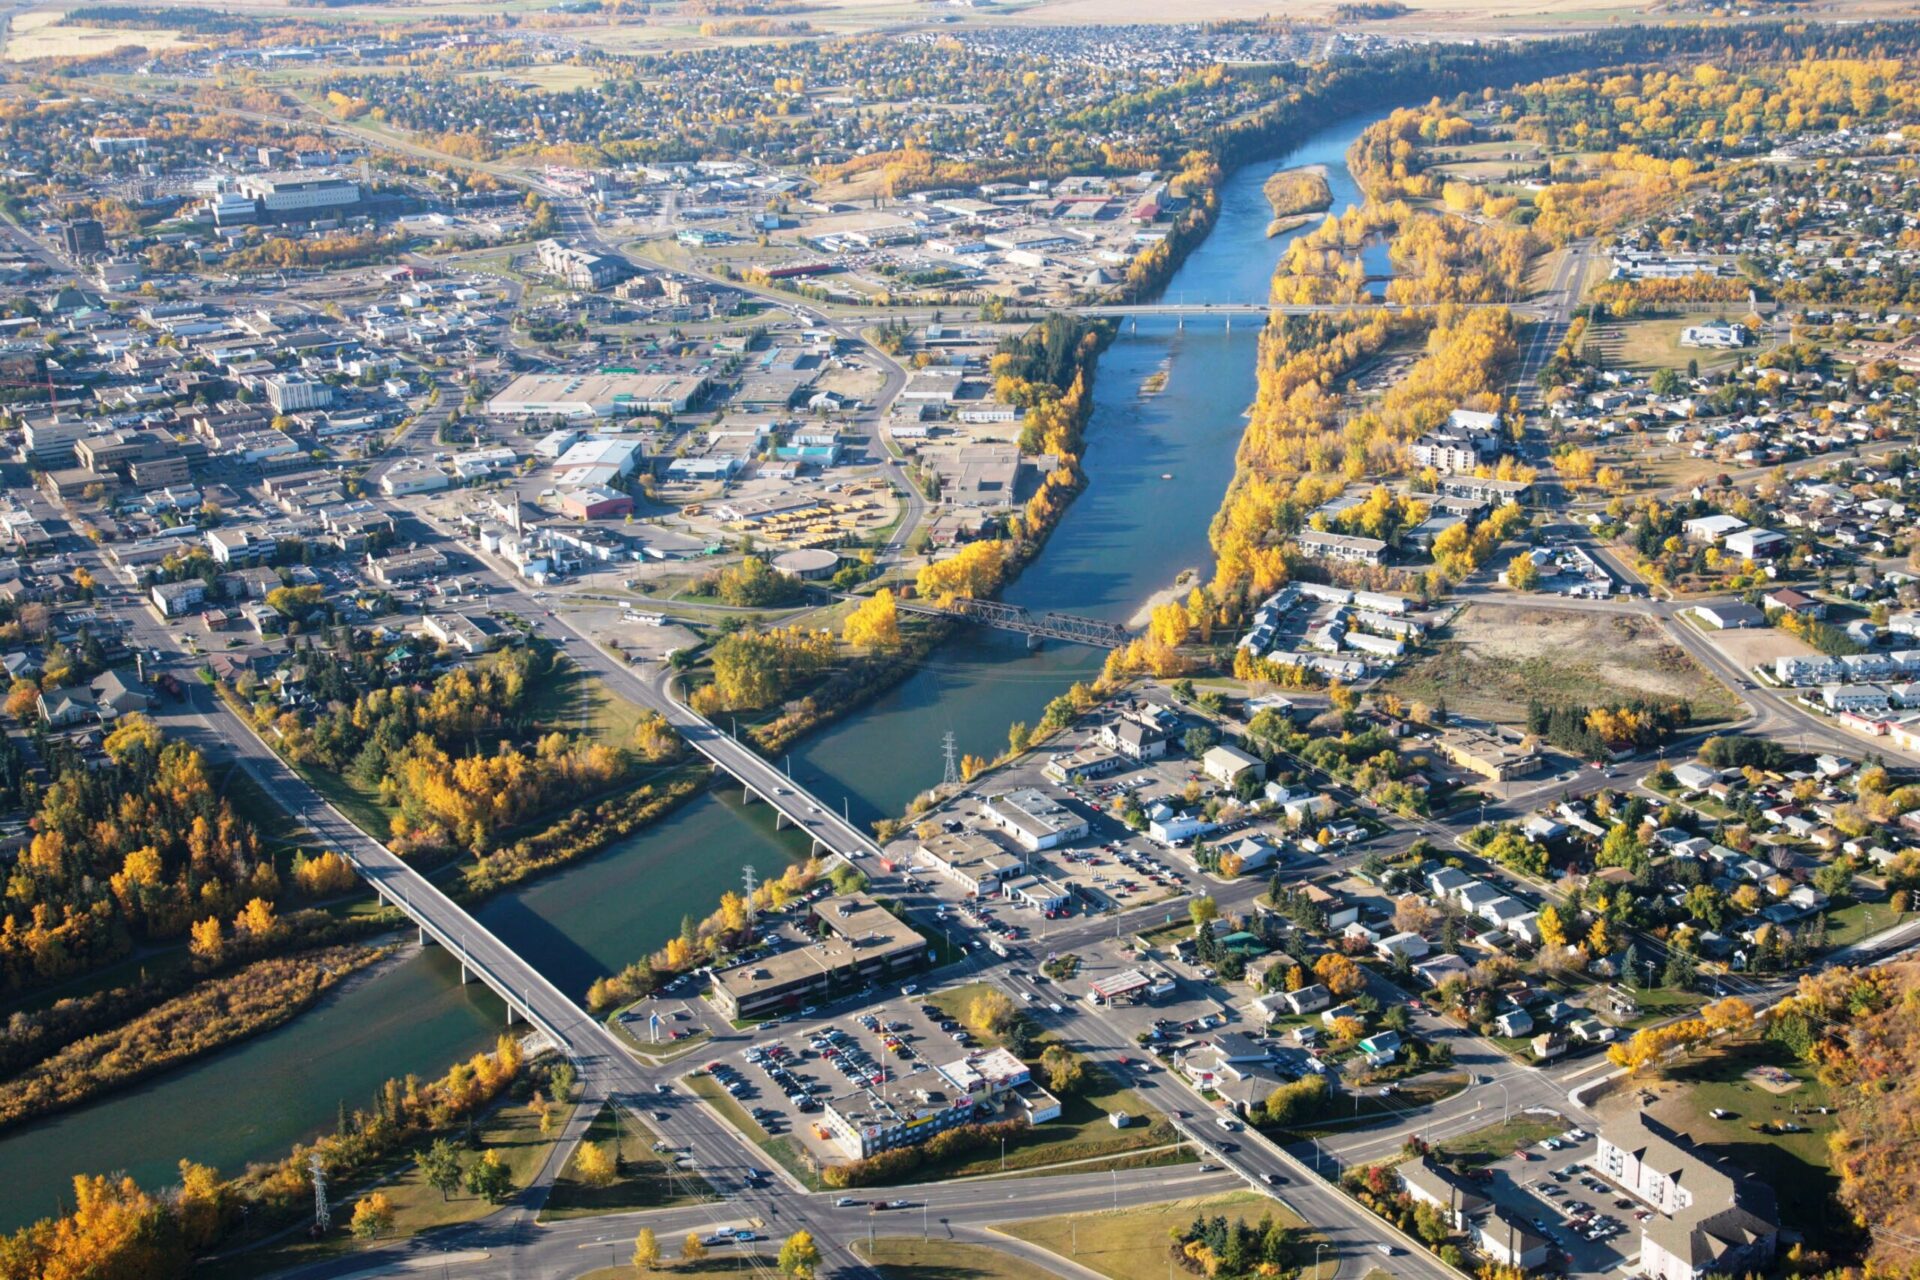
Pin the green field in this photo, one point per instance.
(905, 1259)
(1794, 1163)
(646, 1181)
(511, 1129)
(1484, 1146)
(1132, 1244)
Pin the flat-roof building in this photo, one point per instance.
(1035, 819)
(974, 860)
(858, 941)
(596, 395)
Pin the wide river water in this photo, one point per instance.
(1158, 466)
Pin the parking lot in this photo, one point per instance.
(1595, 1226)
(784, 1078)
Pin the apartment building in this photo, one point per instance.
(1709, 1217)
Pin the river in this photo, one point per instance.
(1127, 535)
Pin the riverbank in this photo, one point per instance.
(213, 1015)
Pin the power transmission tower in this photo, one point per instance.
(952, 776)
(748, 879)
(322, 1215)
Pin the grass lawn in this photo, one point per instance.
(899, 1259)
(1860, 920)
(1796, 1163)
(784, 1150)
(1484, 1146)
(511, 1129)
(1407, 1098)
(1658, 1004)
(567, 697)
(1131, 1244)
(647, 1181)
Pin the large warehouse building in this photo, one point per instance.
(596, 395)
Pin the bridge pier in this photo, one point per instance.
(466, 975)
(780, 821)
(426, 940)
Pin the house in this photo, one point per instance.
(1410, 945)
(1513, 1023)
(1694, 777)
(1379, 1050)
(1428, 1183)
(1510, 1242)
(1549, 1045)
(1709, 1217)
(1437, 970)
(63, 707)
(1226, 765)
(1250, 853)
(1798, 603)
(116, 696)
(1308, 998)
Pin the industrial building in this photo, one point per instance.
(596, 395)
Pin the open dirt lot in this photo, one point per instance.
(1760, 644)
(1493, 660)
(42, 35)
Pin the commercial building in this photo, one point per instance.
(1227, 764)
(971, 859)
(1490, 755)
(855, 941)
(405, 566)
(1709, 1218)
(868, 1121)
(596, 395)
(1429, 1183)
(1035, 819)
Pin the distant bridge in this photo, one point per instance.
(1069, 627)
(1231, 310)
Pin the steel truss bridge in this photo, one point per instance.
(1069, 627)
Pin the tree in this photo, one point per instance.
(646, 1250)
(799, 1256)
(594, 1163)
(489, 1178)
(691, 1250)
(875, 624)
(372, 1216)
(992, 1013)
(1552, 932)
(1522, 573)
(1203, 911)
(1340, 975)
(1066, 1073)
(1200, 739)
(440, 1166)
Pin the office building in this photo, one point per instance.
(850, 940)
